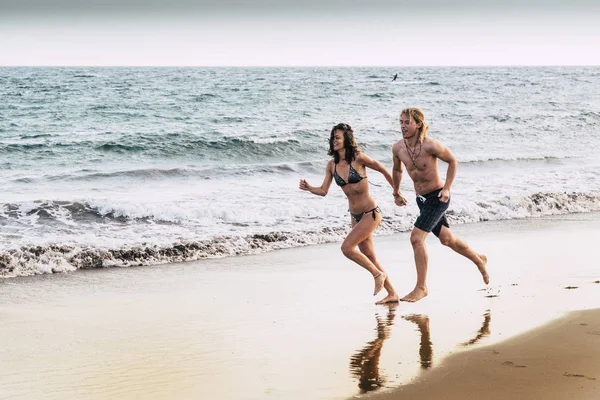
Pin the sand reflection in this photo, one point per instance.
(365, 363)
(483, 331)
(425, 346)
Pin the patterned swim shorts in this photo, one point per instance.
(433, 213)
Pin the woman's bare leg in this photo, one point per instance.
(359, 233)
(366, 247)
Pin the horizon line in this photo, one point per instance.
(299, 66)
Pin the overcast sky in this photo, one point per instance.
(299, 32)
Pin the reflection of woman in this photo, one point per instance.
(348, 168)
(365, 363)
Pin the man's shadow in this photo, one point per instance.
(364, 364)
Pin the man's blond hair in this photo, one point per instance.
(415, 114)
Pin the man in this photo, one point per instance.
(419, 154)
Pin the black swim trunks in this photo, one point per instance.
(433, 213)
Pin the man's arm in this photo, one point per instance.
(443, 153)
(324, 188)
(397, 177)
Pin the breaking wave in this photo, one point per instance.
(54, 258)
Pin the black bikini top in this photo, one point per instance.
(353, 177)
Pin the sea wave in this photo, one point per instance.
(36, 260)
(52, 258)
(481, 160)
(62, 211)
(191, 172)
(174, 146)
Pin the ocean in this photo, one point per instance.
(106, 167)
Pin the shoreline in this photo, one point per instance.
(557, 361)
(267, 243)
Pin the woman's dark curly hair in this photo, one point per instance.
(349, 143)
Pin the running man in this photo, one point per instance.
(419, 154)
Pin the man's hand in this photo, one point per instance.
(400, 200)
(444, 195)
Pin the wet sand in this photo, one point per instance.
(560, 360)
(298, 323)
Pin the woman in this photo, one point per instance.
(348, 168)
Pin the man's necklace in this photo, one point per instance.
(413, 154)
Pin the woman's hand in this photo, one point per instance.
(303, 184)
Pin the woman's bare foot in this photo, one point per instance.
(379, 281)
(417, 294)
(390, 298)
(484, 274)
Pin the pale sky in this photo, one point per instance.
(299, 32)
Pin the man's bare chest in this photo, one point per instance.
(416, 163)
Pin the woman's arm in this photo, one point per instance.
(375, 165)
(324, 188)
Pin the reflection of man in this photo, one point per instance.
(420, 155)
(426, 347)
(365, 363)
(483, 331)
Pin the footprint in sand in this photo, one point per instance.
(578, 376)
(512, 364)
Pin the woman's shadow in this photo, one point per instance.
(364, 364)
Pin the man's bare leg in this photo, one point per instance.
(359, 233)
(447, 238)
(366, 247)
(417, 240)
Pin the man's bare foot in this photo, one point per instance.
(484, 274)
(416, 295)
(379, 281)
(390, 298)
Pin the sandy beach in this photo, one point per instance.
(302, 324)
(560, 360)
